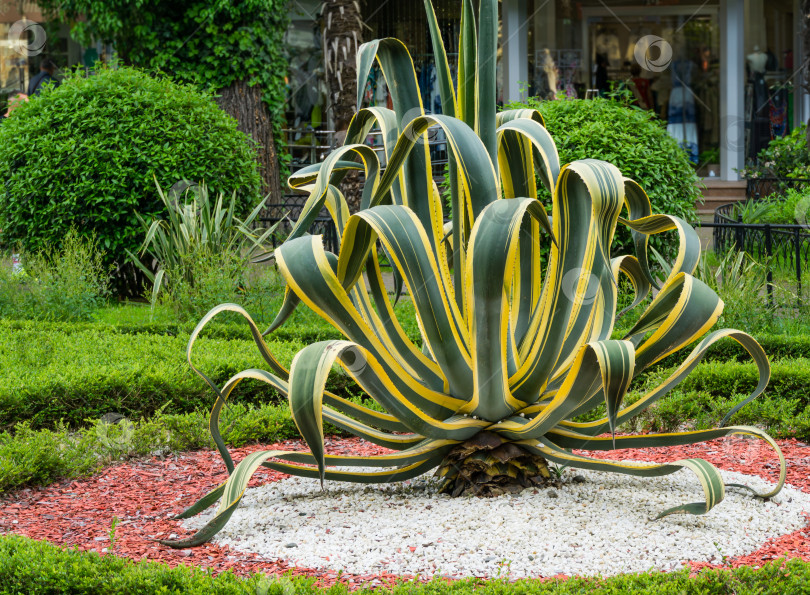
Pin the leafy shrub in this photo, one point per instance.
(87, 154)
(789, 207)
(28, 566)
(631, 139)
(207, 280)
(66, 285)
(29, 457)
(203, 281)
(742, 283)
(198, 228)
(786, 157)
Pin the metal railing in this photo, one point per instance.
(779, 246)
(756, 188)
(312, 146)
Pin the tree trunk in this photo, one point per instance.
(244, 102)
(342, 36)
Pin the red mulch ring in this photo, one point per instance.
(144, 494)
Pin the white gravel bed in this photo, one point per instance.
(600, 526)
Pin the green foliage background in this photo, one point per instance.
(211, 44)
(787, 157)
(86, 156)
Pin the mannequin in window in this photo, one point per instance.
(681, 112)
(640, 87)
(601, 80)
(546, 76)
(757, 60)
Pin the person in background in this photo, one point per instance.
(47, 69)
(16, 98)
(641, 88)
(601, 81)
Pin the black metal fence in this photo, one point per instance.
(287, 214)
(782, 247)
(756, 188)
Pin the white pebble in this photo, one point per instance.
(601, 526)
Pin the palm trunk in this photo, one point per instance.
(342, 36)
(244, 102)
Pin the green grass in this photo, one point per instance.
(35, 567)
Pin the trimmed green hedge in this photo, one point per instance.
(34, 567)
(51, 372)
(776, 347)
(48, 375)
(301, 333)
(310, 329)
(790, 379)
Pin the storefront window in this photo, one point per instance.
(770, 70)
(665, 58)
(25, 40)
(14, 59)
(667, 54)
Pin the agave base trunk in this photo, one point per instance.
(487, 465)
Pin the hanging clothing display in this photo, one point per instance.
(759, 115)
(428, 81)
(777, 112)
(681, 114)
(570, 62)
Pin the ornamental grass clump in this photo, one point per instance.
(514, 345)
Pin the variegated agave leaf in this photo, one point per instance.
(515, 344)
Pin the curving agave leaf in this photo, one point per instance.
(516, 309)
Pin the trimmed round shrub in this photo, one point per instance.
(633, 140)
(87, 154)
(785, 157)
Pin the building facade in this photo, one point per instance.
(724, 75)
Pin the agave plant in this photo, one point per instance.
(515, 344)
